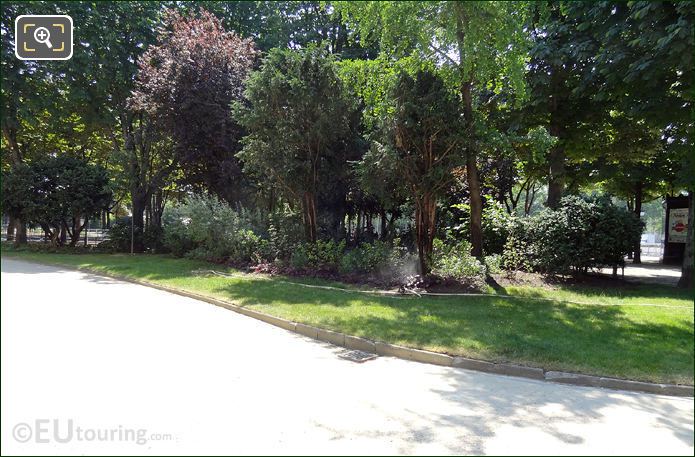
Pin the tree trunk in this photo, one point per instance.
(556, 178)
(63, 236)
(382, 224)
(557, 156)
(139, 203)
(309, 210)
(476, 200)
(21, 234)
(425, 216)
(358, 227)
(476, 203)
(11, 226)
(686, 280)
(76, 230)
(637, 258)
(370, 227)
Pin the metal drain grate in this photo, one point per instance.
(356, 356)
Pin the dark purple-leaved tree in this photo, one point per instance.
(186, 83)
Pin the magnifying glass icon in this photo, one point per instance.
(42, 35)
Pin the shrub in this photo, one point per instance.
(493, 263)
(454, 261)
(207, 228)
(497, 226)
(375, 257)
(515, 255)
(119, 236)
(582, 233)
(321, 255)
(285, 231)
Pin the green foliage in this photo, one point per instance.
(497, 226)
(119, 236)
(515, 254)
(209, 229)
(56, 193)
(284, 233)
(582, 233)
(454, 261)
(486, 37)
(375, 257)
(422, 137)
(493, 263)
(319, 255)
(301, 123)
(17, 199)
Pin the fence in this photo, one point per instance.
(652, 250)
(37, 235)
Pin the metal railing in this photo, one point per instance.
(37, 235)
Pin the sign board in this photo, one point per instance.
(677, 225)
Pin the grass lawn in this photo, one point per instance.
(616, 335)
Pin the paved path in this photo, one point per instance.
(650, 271)
(115, 358)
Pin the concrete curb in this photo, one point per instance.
(419, 355)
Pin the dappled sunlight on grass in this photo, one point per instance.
(650, 343)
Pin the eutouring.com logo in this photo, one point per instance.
(66, 431)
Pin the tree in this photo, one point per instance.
(78, 107)
(17, 202)
(288, 24)
(560, 94)
(645, 65)
(631, 161)
(424, 134)
(59, 193)
(21, 80)
(298, 116)
(478, 44)
(186, 84)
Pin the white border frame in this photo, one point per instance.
(72, 41)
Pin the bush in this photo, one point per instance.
(375, 257)
(493, 263)
(497, 224)
(454, 261)
(515, 256)
(497, 227)
(582, 233)
(208, 229)
(119, 236)
(285, 231)
(321, 255)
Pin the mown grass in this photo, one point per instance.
(643, 332)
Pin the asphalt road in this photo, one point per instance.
(91, 365)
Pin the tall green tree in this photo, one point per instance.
(102, 73)
(288, 24)
(424, 134)
(299, 117)
(560, 95)
(644, 62)
(479, 45)
(59, 194)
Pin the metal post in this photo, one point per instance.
(132, 234)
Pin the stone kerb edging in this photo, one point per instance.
(419, 355)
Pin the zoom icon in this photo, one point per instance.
(43, 37)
